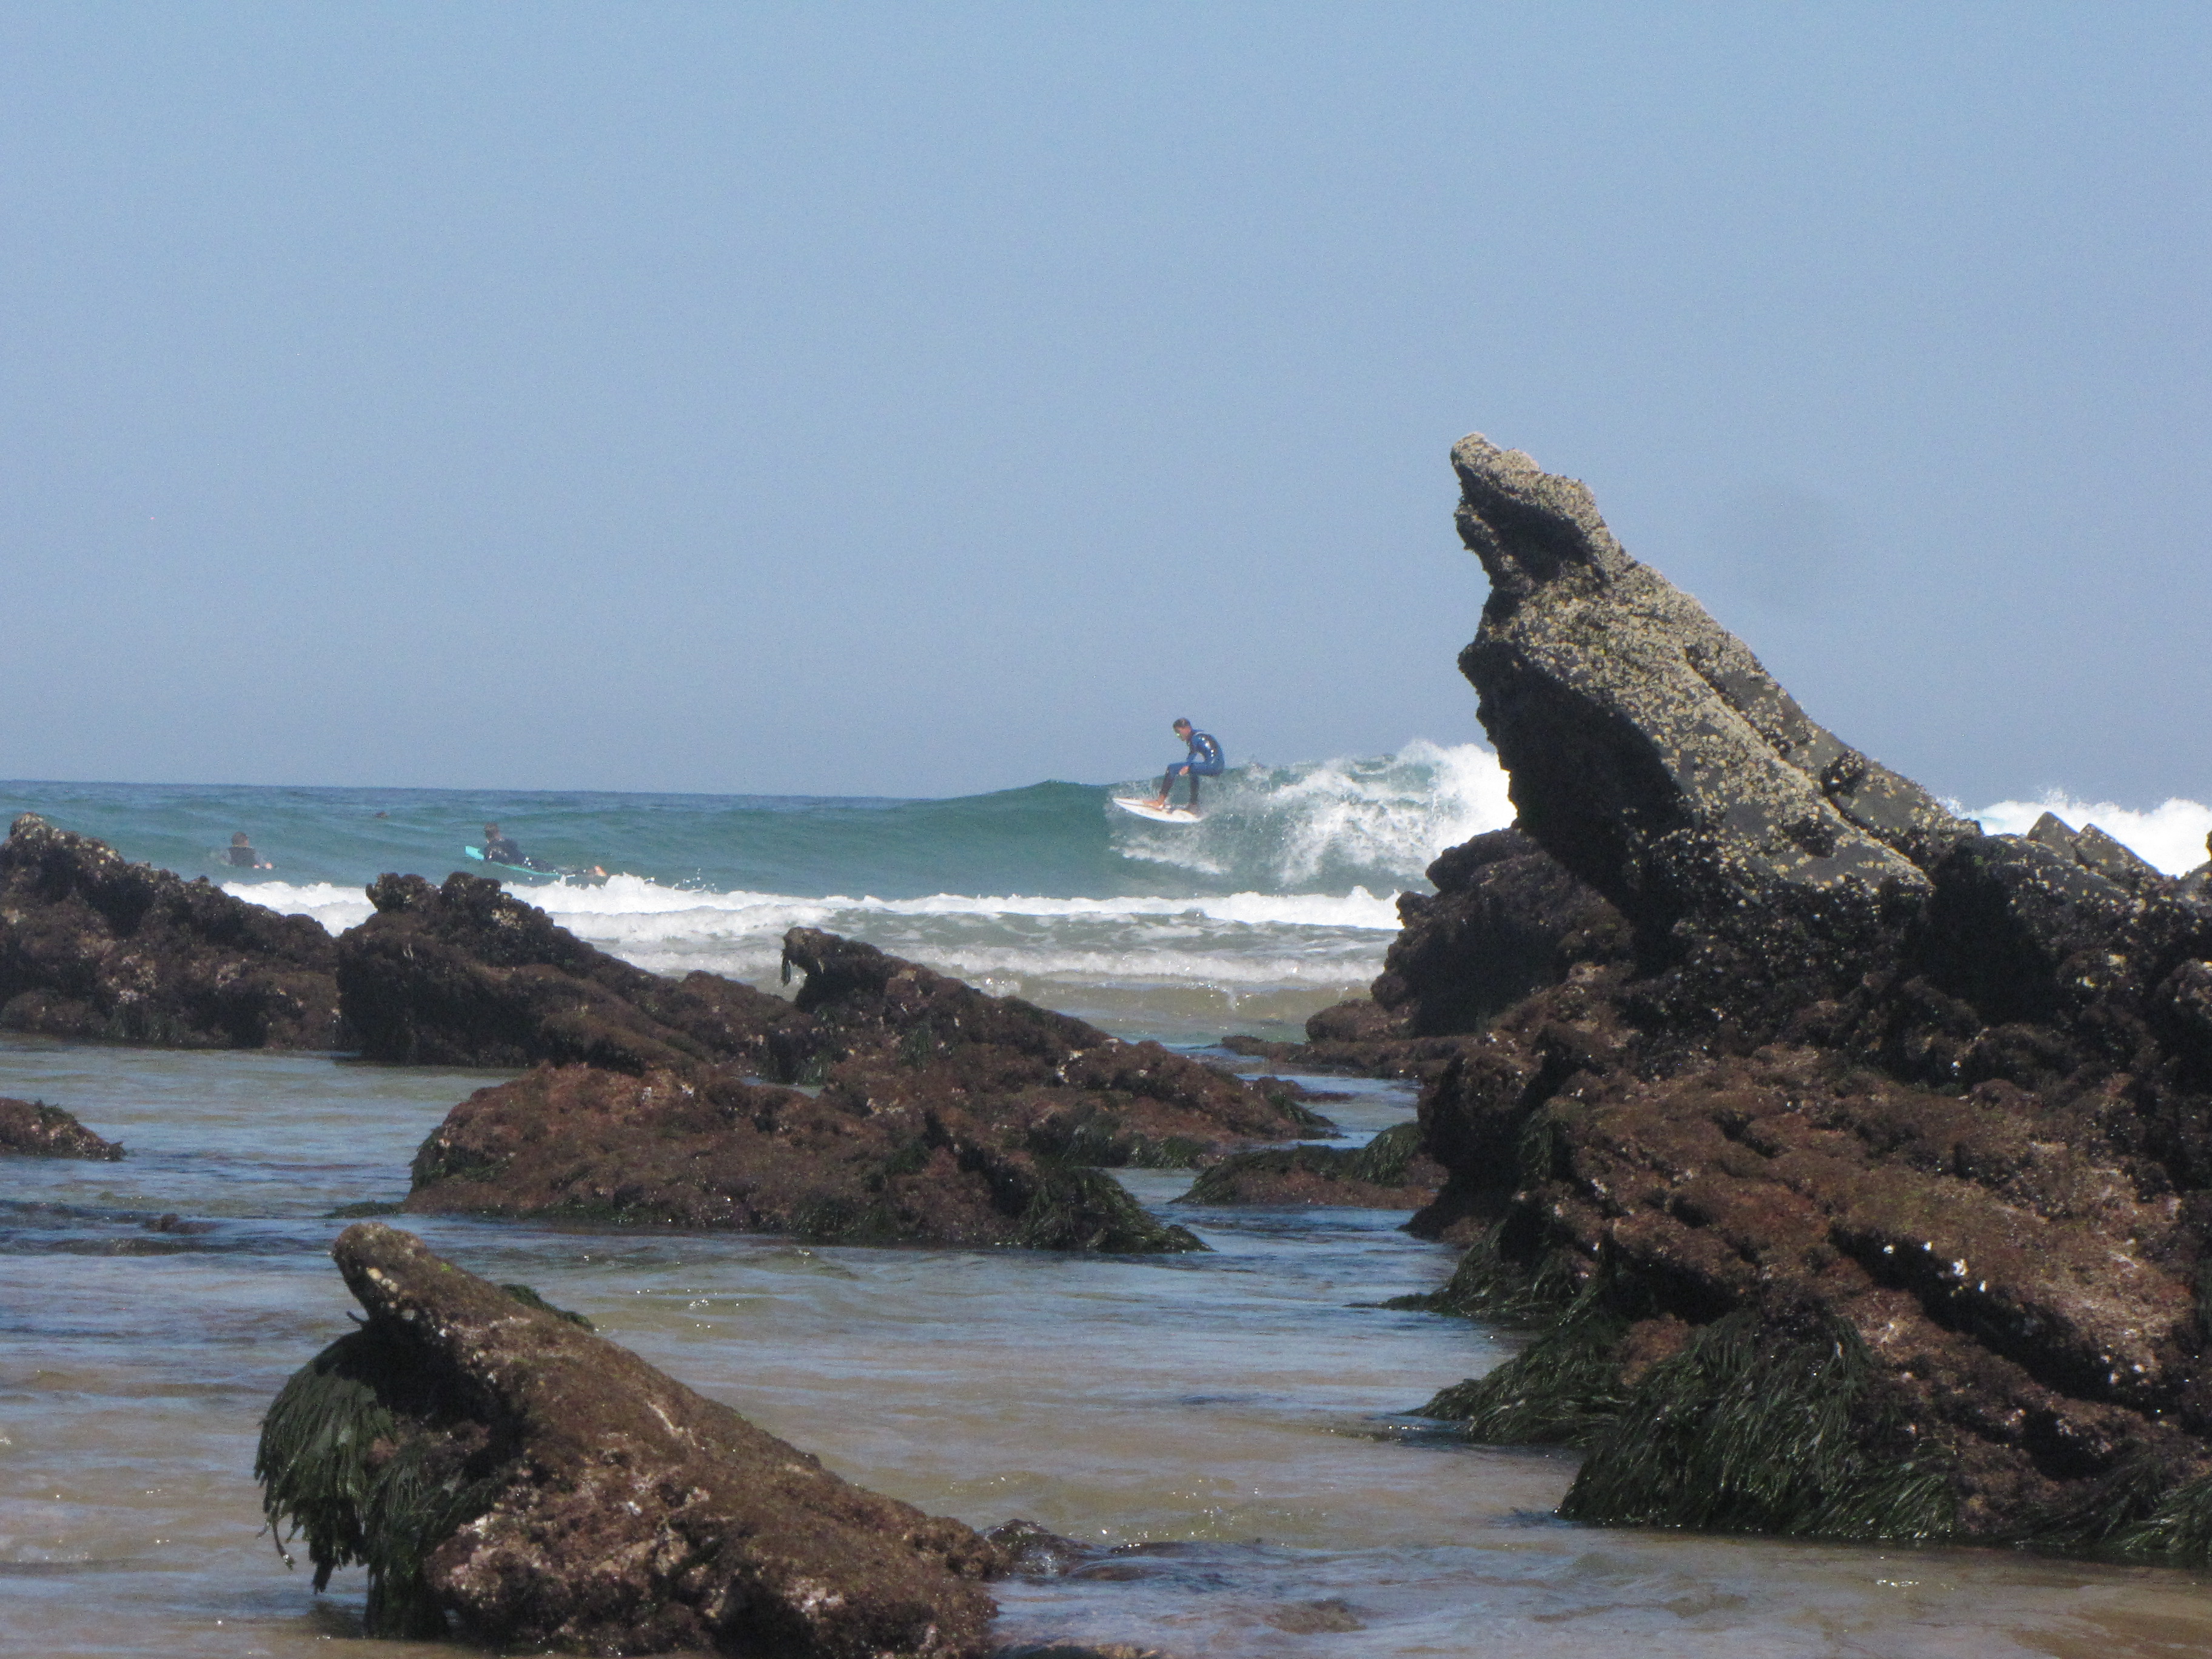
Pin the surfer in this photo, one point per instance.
(244, 854)
(498, 849)
(1204, 761)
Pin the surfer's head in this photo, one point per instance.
(491, 832)
(239, 840)
(1182, 728)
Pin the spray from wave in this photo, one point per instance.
(1323, 824)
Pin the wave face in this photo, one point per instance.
(1281, 900)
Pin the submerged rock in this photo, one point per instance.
(1390, 1172)
(506, 1475)
(706, 1150)
(94, 947)
(464, 975)
(31, 1128)
(1867, 1192)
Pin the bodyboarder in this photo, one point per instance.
(1204, 761)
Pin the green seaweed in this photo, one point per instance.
(1073, 1208)
(1385, 1161)
(364, 1484)
(1563, 1389)
(1486, 1285)
(2178, 1528)
(1752, 1428)
(1103, 1143)
(530, 1298)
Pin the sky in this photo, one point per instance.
(928, 399)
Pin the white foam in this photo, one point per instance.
(2170, 836)
(336, 908)
(1297, 826)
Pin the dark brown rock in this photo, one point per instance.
(703, 1149)
(1654, 756)
(897, 1035)
(1868, 1192)
(1390, 1172)
(92, 946)
(503, 1468)
(464, 975)
(943, 1115)
(1507, 919)
(31, 1128)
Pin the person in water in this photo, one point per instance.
(1204, 761)
(243, 854)
(498, 849)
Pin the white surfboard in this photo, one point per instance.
(1144, 809)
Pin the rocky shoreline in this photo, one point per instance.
(1850, 1169)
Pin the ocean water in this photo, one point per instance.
(1280, 901)
(1232, 1424)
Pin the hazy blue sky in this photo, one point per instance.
(922, 399)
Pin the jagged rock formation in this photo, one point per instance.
(463, 974)
(942, 1115)
(507, 1475)
(31, 1128)
(1869, 1193)
(92, 946)
(706, 1149)
(895, 1035)
(1390, 1172)
(1649, 751)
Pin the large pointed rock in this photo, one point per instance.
(1650, 750)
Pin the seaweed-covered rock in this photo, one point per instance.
(943, 1115)
(464, 975)
(1869, 1193)
(504, 1472)
(31, 1128)
(703, 1149)
(1390, 1172)
(94, 947)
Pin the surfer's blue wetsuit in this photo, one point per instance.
(1204, 761)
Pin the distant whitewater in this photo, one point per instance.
(1281, 900)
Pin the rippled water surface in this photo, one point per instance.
(1226, 1421)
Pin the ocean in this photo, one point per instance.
(1280, 901)
(1234, 1422)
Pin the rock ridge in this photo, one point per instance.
(1864, 1187)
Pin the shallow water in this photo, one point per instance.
(1230, 1415)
